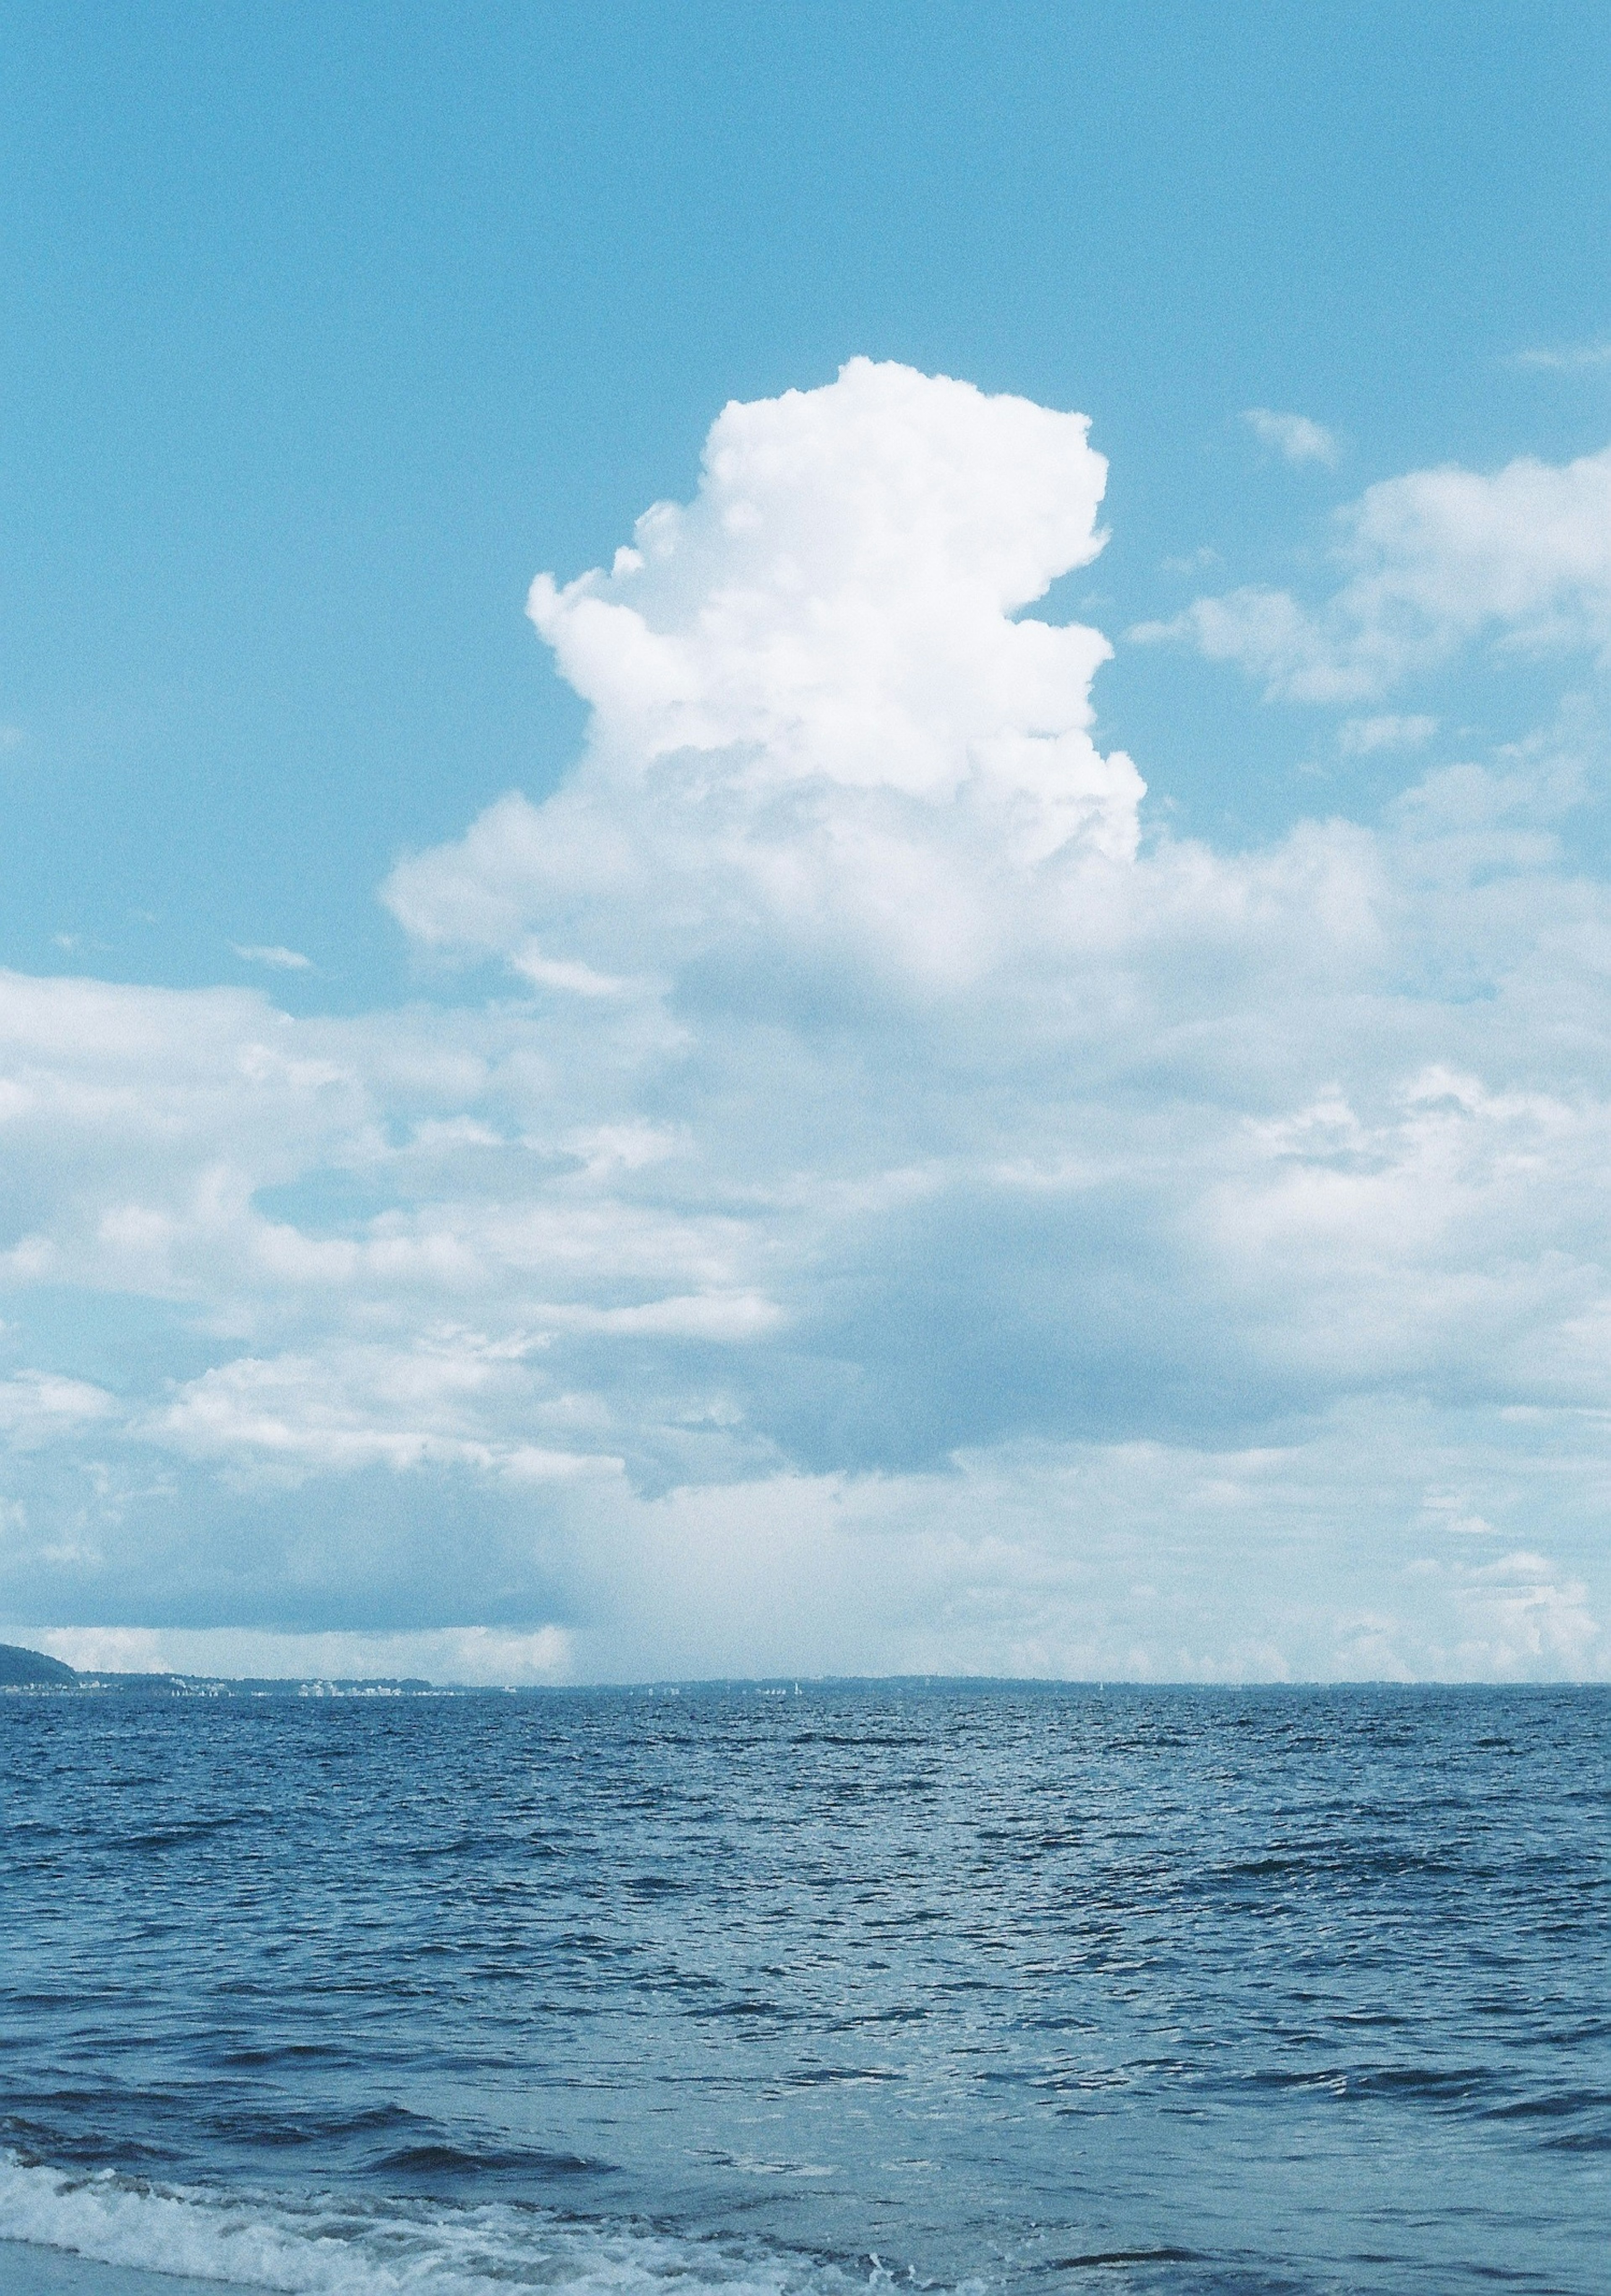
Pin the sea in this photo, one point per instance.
(780, 1991)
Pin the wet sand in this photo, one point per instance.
(26, 2270)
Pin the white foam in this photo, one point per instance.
(318, 2246)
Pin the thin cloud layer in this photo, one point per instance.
(884, 1212)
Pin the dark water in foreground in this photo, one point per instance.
(1021, 1989)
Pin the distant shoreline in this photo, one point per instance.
(176, 1686)
(34, 1673)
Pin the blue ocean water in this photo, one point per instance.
(961, 1987)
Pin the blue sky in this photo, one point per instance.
(328, 331)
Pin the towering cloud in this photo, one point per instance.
(819, 714)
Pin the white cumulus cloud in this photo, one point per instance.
(42, 1407)
(820, 715)
(1431, 562)
(887, 1214)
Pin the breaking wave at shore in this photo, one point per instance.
(319, 2245)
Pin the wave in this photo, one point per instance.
(320, 2245)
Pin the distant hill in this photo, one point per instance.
(26, 1666)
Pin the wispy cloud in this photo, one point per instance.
(1358, 736)
(1294, 436)
(1564, 358)
(283, 960)
(1199, 560)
